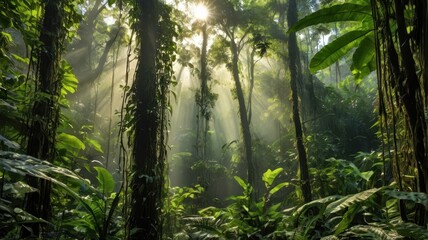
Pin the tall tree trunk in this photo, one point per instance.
(45, 112)
(147, 179)
(245, 124)
(296, 74)
(203, 114)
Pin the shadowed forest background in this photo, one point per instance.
(213, 119)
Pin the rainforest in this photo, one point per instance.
(213, 119)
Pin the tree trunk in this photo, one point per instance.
(296, 74)
(251, 165)
(45, 112)
(147, 179)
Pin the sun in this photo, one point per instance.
(200, 12)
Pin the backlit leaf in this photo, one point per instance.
(343, 12)
(240, 182)
(269, 176)
(105, 181)
(335, 50)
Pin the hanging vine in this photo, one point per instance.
(146, 117)
(401, 97)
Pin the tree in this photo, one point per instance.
(45, 110)
(235, 23)
(398, 58)
(147, 112)
(296, 75)
(391, 39)
(146, 179)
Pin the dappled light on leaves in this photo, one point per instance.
(219, 119)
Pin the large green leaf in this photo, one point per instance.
(335, 50)
(278, 187)
(67, 141)
(105, 181)
(336, 13)
(417, 197)
(350, 200)
(347, 218)
(269, 176)
(363, 59)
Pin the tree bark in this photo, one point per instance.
(147, 178)
(296, 75)
(45, 112)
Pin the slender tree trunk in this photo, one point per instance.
(147, 179)
(203, 102)
(251, 165)
(203, 114)
(296, 74)
(45, 112)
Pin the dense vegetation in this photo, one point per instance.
(221, 119)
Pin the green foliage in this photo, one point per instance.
(243, 218)
(336, 13)
(340, 177)
(179, 204)
(335, 50)
(361, 36)
(96, 212)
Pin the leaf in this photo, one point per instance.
(105, 181)
(363, 59)
(364, 53)
(7, 105)
(69, 83)
(278, 187)
(10, 144)
(240, 182)
(95, 145)
(18, 188)
(417, 197)
(335, 50)
(366, 175)
(350, 200)
(318, 202)
(20, 59)
(348, 217)
(111, 2)
(336, 13)
(372, 232)
(411, 230)
(69, 80)
(113, 206)
(269, 176)
(66, 141)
